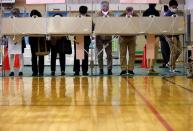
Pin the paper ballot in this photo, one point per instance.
(80, 47)
(150, 47)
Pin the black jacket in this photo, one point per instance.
(39, 42)
(151, 11)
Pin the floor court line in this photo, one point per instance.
(151, 107)
(180, 86)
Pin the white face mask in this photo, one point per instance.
(129, 16)
(34, 16)
(173, 10)
(82, 15)
(105, 13)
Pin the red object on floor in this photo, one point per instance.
(6, 60)
(144, 60)
(6, 64)
(16, 62)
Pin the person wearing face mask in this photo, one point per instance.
(165, 49)
(173, 40)
(104, 41)
(173, 7)
(15, 47)
(82, 13)
(127, 43)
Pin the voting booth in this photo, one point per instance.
(103, 26)
(43, 26)
(24, 26)
(140, 25)
(121, 26)
(69, 26)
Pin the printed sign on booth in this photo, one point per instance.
(44, 1)
(7, 1)
(139, 1)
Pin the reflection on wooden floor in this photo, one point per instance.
(96, 104)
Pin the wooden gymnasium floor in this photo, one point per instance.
(112, 103)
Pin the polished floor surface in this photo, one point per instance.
(112, 103)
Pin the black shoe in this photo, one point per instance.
(76, 73)
(101, 72)
(85, 74)
(53, 73)
(130, 72)
(123, 72)
(110, 72)
(11, 74)
(35, 74)
(41, 74)
(62, 73)
(20, 73)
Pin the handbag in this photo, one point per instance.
(42, 50)
(67, 46)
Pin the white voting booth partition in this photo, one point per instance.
(44, 26)
(23, 26)
(140, 26)
(28, 26)
(69, 26)
(103, 26)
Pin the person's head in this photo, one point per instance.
(35, 13)
(105, 6)
(15, 12)
(129, 11)
(152, 6)
(173, 5)
(83, 10)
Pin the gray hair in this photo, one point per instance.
(129, 9)
(104, 2)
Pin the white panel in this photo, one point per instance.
(76, 25)
(189, 4)
(7, 1)
(139, 1)
(69, 25)
(12, 26)
(139, 25)
(44, 1)
(51, 7)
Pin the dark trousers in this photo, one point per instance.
(165, 50)
(85, 61)
(62, 59)
(37, 65)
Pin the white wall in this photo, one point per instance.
(189, 4)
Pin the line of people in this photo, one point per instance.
(170, 45)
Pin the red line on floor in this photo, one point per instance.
(152, 108)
